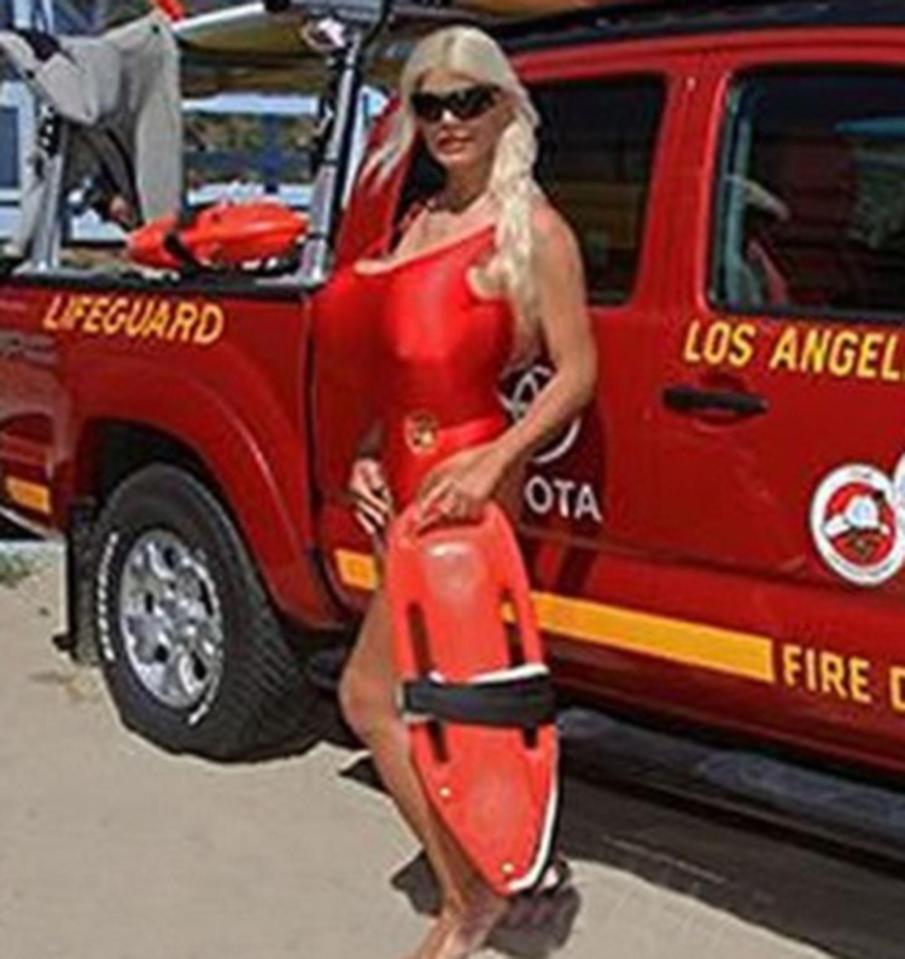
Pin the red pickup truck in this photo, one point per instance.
(718, 541)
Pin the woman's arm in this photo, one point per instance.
(370, 442)
(566, 328)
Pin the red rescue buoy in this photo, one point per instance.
(476, 691)
(219, 237)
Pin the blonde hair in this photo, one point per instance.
(471, 51)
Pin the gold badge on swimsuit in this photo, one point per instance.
(421, 431)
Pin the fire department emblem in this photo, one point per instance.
(857, 525)
(421, 431)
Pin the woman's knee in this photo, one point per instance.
(366, 705)
(367, 687)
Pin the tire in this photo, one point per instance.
(191, 647)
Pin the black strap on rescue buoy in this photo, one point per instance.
(190, 265)
(173, 242)
(523, 702)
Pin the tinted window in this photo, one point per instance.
(596, 147)
(596, 154)
(9, 154)
(811, 211)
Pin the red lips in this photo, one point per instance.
(447, 142)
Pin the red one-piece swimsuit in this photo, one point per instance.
(441, 350)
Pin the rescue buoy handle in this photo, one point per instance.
(522, 702)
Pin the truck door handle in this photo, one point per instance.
(689, 399)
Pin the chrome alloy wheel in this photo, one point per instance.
(170, 619)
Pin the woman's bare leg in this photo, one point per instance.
(367, 693)
(367, 689)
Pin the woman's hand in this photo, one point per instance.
(371, 494)
(458, 487)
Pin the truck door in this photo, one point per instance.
(341, 384)
(780, 426)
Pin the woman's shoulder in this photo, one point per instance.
(552, 232)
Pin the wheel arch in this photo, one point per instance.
(111, 449)
(188, 425)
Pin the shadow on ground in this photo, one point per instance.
(795, 886)
(798, 887)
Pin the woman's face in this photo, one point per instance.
(463, 142)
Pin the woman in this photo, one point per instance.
(482, 270)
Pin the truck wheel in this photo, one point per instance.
(191, 648)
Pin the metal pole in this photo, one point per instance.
(330, 184)
(26, 108)
(42, 15)
(45, 252)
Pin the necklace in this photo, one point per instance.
(439, 224)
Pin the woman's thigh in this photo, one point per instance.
(372, 654)
(368, 683)
(373, 651)
(368, 687)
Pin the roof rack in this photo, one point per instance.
(271, 28)
(626, 19)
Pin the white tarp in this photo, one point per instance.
(121, 94)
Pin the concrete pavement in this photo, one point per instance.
(112, 849)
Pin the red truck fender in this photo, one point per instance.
(257, 461)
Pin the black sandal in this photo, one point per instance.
(526, 907)
(557, 876)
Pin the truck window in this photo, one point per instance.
(9, 155)
(596, 156)
(811, 193)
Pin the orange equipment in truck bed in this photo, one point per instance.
(219, 237)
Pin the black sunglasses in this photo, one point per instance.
(466, 103)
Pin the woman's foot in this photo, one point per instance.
(536, 908)
(460, 931)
